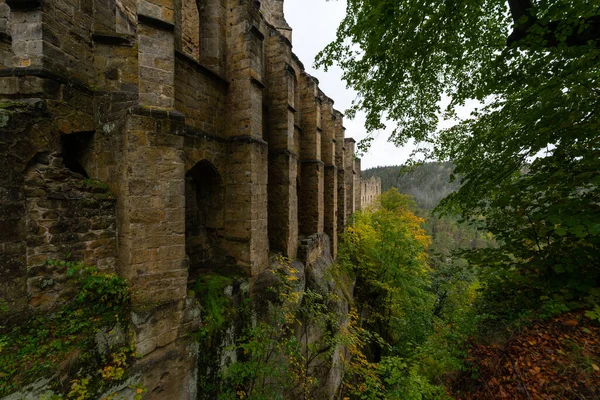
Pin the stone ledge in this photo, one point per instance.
(236, 239)
(248, 139)
(256, 31)
(156, 23)
(283, 152)
(157, 113)
(290, 69)
(311, 79)
(47, 74)
(282, 37)
(319, 162)
(197, 133)
(201, 68)
(257, 83)
(113, 39)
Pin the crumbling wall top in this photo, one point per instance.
(272, 10)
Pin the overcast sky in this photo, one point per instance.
(314, 23)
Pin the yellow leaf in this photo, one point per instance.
(596, 368)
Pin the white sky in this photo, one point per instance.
(314, 23)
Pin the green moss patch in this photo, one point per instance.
(64, 344)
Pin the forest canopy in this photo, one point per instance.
(529, 157)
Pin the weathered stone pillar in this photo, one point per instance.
(156, 57)
(26, 27)
(350, 145)
(152, 213)
(246, 186)
(212, 34)
(340, 163)
(151, 216)
(283, 160)
(330, 181)
(311, 211)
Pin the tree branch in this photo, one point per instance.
(521, 8)
(578, 36)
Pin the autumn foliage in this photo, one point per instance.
(554, 359)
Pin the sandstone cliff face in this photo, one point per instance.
(163, 140)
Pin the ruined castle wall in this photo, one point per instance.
(67, 216)
(217, 145)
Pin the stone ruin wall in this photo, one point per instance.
(370, 190)
(160, 139)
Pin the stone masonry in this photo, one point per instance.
(160, 139)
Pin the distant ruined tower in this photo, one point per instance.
(370, 190)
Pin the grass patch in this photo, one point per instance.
(216, 305)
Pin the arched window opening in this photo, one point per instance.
(203, 219)
(190, 28)
(76, 151)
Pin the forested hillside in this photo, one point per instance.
(428, 183)
(528, 156)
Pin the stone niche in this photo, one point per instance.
(204, 220)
